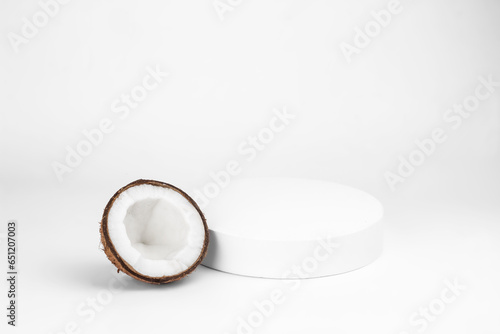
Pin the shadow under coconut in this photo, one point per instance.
(87, 274)
(107, 276)
(103, 275)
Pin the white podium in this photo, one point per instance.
(292, 228)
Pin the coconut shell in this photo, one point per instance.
(121, 264)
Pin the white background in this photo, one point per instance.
(353, 120)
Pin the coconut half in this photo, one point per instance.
(154, 232)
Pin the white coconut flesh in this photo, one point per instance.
(156, 230)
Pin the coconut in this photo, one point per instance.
(154, 232)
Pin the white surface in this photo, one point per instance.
(159, 238)
(263, 226)
(61, 268)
